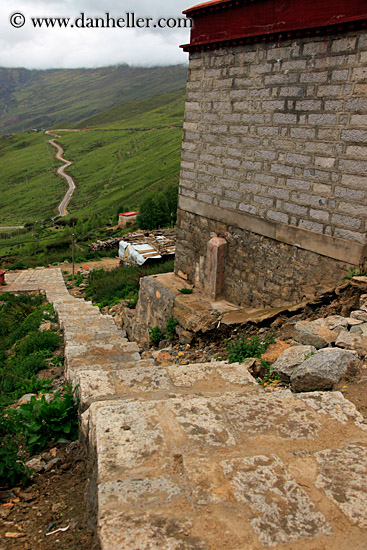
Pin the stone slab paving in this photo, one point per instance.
(199, 457)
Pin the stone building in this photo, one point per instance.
(274, 156)
(127, 218)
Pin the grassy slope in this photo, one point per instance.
(117, 169)
(111, 168)
(45, 98)
(30, 188)
(164, 109)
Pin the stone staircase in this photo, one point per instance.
(199, 457)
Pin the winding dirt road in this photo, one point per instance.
(61, 171)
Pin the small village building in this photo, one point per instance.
(273, 185)
(127, 218)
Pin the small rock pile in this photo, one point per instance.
(325, 350)
(105, 245)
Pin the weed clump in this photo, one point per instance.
(244, 348)
(108, 288)
(156, 335)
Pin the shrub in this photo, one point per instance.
(39, 341)
(244, 347)
(45, 422)
(12, 468)
(156, 335)
(170, 329)
(110, 287)
(185, 290)
(159, 209)
(270, 375)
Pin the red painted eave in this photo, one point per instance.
(205, 5)
(127, 214)
(224, 21)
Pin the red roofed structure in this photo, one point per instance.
(230, 22)
(127, 218)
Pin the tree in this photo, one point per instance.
(159, 210)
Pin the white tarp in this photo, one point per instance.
(137, 253)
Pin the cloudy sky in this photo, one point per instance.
(42, 48)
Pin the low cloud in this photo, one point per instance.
(42, 48)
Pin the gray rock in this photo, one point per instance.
(46, 325)
(333, 322)
(52, 464)
(359, 329)
(360, 315)
(35, 464)
(353, 322)
(26, 399)
(353, 341)
(290, 359)
(314, 334)
(321, 371)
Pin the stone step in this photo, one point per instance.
(200, 457)
(233, 471)
(144, 380)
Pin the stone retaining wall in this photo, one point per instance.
(259, 271)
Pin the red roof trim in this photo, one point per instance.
(207, 5)
(249, 21)
(127, 214)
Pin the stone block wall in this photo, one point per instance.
(259, 272)
(274, 146)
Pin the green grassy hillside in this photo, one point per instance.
(115, 169)
(113, 166)
(160, 110)
(30, 189)
(53, 97)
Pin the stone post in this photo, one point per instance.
(215, 263)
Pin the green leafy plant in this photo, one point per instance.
(45, 341)
(270, 376)
(244, 347)
(170, 329)
(131, 302)
(354, 272)
(156, 335)
(185, 290)
(57, 361)
(45, 422)
(107, 288)
(12, 468)
(79, 279)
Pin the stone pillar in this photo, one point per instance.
(215, 260)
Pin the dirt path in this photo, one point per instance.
(61, 171)
(12, 227)
(104, 263)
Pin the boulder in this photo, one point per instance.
(333, 322)
(314, 334)
(322, 371)
(46, 325)
(360, 315)
(352, 341)
(290, 359)
(164, 358)
(274, 351)
(359, 282)
(36, 464)
(359, 329)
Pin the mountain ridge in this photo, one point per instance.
(44, 98)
